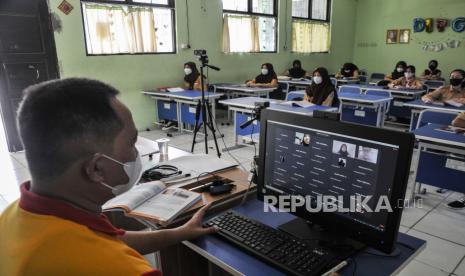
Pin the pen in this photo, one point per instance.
(336, 268)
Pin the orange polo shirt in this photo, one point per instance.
(46, 236)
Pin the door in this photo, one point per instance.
(27, 56)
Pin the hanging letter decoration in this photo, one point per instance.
(441, 24)
(429, 25)
(419, 25)
(458, 24)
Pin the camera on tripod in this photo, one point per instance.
(202, 56)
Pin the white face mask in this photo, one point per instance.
(264, 71)
(187, 71)
(400, 69)
(347, 70)
(408, 75)
(317, 79)
(133, 170)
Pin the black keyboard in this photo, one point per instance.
(285, 252)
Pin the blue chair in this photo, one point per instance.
(381, 93)
(350, 89)
(433, 84)
(333, 81)
(429, 116)
(363, 79)
(295, 95)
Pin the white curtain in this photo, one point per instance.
(119, 29)
(310, 36)
(240, 33)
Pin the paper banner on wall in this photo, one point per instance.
(441, 24)
(437, 47)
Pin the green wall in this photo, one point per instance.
(133, 73)
(374, 17)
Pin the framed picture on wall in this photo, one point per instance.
(404, 36)
(392, 36)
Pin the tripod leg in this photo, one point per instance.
(210, 125)
(197, 124)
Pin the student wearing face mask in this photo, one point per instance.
(454, 92)
(267, 78)
(296, 72)
(192, 77)
(432, 72)
(408, 80)
(79, 141)
(348, 71)
(322, 91)
(398, 71)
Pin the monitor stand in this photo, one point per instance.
(305, 230)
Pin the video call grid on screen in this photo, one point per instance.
(304, 161)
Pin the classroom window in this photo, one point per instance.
(136, 27)
(249, 26)
(311, 32)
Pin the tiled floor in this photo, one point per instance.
(444, 229)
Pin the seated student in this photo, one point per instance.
(459, 121)
(322, 91)
(408, 80)
(192, 77)
(348, 70)
(453, 92)
(57, 226)
(296, 72)
(267, 78)
(432, 72)
(398, 71)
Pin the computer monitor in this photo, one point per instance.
(311, 157)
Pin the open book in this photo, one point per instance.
(452, 129)
(154, 201)
(298, 103)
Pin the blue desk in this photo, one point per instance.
(237, 262)
(243, 109)
(180, 106)
(364, 109)
(400, 97)
(300, 83)
(234, 89)
(418, 105)
(440, 158)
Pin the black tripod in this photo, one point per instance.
(204, 108)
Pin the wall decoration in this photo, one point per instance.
(404, 36)
(419, 25)
(441, 24)
(440, 46)
(392, 36)
(458, 24)
(429, 26)
(65, 7)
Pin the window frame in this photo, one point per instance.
(170, 6)
(250, 12)
(309, 17)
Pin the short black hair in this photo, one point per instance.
(61, 121)
(411, 67)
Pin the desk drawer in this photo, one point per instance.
(167, 110)
(188, 114)
(359, 115)
(441, 170)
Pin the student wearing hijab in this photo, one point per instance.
(267, 78)
(408, 80)
(322, 91)
(432, 72)
(453, 92)
(296, 72)
(398, 71)
(348, 70)
(192, 77)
